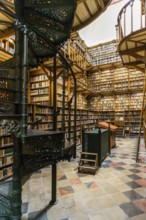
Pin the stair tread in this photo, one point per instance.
(5, 188)
(10, 116)
(89, 153)
(89, 160)
(88, 167)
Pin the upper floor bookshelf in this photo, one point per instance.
(116, 81)
(105, 53)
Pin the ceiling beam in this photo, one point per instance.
(132, 50)
(81, 1)
(87, 8)
(9, 4)
(7, 23)
(136, 65)
(101, 3)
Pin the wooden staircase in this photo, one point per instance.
(88, 162)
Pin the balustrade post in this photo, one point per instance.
(131, 5)
(141, 13)
(25, 74)
(54, 95)
(117, 32)
(124, 10)
(145, 11)
(63, 110)
(120, 29)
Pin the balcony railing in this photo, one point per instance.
(131, 18)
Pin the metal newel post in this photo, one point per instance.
(54, 183)
(16, 187)
(54, 166)
(54, 96)
(24, 98)
(63, 111)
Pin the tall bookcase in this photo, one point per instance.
(118, 96)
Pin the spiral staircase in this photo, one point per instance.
(131, 33)
(41, 27)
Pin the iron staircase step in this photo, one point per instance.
(5, 198)
(46, 3)
(43, 18)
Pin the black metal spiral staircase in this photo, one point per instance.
(41, 26)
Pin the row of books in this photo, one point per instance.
(5, 172)
(5, 140)
(7, 160)
(40, 99)
(38, 78)
(3, 131)
(6, 151)
(40, 84)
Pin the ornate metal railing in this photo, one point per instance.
(132, 17)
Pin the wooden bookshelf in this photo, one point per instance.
(39, 87)
(105, 53)
(117, 93)
(6, 154)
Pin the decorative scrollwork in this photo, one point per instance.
(6, 108)
(40, 151)
(4, 95)
(5, 199)
(3, 84)
(5, 208)
(11, 127)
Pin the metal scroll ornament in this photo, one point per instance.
(11, 127)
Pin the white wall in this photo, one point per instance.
(103, 28)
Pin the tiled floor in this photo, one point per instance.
(116, 192)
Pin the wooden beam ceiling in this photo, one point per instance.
(101, 3)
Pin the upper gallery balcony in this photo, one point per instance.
(131, 33)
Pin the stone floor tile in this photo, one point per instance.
(130, 209)
(141, 204)
(116, 213)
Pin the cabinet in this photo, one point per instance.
(96, 141)
(6, 154)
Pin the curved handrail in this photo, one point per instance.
(132, 17)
